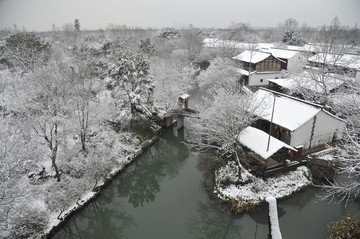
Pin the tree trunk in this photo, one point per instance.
(242, 170)
(83, 140)
(133, 108)
(53, 162)
(54, 153)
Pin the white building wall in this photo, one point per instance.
(326, 128)
(301, 136)
(296, 63)
(261, 78)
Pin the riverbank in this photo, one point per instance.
(92, 195)
(246, 193)
(55, 223)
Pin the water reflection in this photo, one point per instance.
(141, 182)
(166, 193)
(213, 220)
(98, 220)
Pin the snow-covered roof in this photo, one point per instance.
(347, 60)
(244, 72)
(184, 96)
(213, 42)
(289, 112)
(252, 56)
(307, 48)
(264, 45)
(308, 83)
(257, 140)
(281, 53)
(285, 83)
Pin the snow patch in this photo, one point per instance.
(274, 220)
(258, 189)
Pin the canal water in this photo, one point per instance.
(164, 194)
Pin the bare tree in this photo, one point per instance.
(328, 67)
(346, 185)
(171, 79)
(17, 156)
(87, 108)
(51, 88)
(220, 71)
(222, 118)
(191, 41)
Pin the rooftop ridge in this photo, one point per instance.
(293, 98)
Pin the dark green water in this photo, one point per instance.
(163, 195)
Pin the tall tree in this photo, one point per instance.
(130, 75)
(220, 71)
(191, 41)
(77, 24)
(50, 104)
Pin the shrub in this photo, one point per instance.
(347, 228)
(240, 205)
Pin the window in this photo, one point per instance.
(261, 80)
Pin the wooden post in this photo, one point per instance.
(271, 122)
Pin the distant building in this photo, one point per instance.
(257, 67)
(347, 64)
(304, 82)
(293, 61)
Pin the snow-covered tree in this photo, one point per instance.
(26, 50)
(49, 103)
(146, 47)
(171, 79)
(292, 38)
(191, 41)
(68, 36)
(18, 156)
(130, 75)
(220, 71)
(77, 24)
(221, 119)
(88, 109)
(346, 185)
(328, 67)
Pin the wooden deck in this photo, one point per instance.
(269, 164)
(272, 166)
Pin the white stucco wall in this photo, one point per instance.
(301, 136)
(255, 78)
(326, 127)
(296, 63)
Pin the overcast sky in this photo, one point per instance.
(40, 15)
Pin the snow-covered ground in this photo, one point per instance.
(256, 190)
